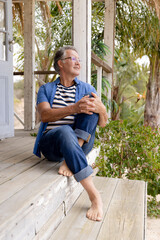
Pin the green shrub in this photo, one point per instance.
(132, 152)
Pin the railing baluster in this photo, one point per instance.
(99, 81)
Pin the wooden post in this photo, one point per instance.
(29, 62)
(110, 6)
(99, 81)
(82, 35)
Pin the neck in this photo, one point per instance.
(66, 81)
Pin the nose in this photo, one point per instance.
(77, 61)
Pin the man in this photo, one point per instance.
(70, 111)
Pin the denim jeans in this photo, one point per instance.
(61, 143)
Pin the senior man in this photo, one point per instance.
(70, 111)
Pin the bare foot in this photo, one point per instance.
(95, 213)
(64, 170)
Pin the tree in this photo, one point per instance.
(155, 4)
(138, 26)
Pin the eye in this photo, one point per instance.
(76, 59)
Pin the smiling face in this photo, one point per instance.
(69, 65)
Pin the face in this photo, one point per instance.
(70, 64)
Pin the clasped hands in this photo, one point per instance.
(89, 105)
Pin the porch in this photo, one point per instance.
(35, 200)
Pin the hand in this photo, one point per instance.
(85, 105)
(99, 107)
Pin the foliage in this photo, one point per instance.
(97, 25)
(129, 151)
(137, 25)
(33, 134)
(100, 49)
(105, 88)
(153, 208)
(130, 80)
(19, 89)
(52, 30)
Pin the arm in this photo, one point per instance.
(49, 114)
(100, 109)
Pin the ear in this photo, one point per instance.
(60, 63)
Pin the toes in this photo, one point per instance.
(65, 173)
(94, 216)
(99, 218)
(60, 172)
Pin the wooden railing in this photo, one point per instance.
(101, 66)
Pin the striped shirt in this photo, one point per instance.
(64, 96)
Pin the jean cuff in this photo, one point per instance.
(82, 134)
(84, 173)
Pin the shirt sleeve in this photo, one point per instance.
(90, 89)
(41, 96)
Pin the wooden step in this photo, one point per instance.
(32, 194)
(124, 213)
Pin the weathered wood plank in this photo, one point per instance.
(11, 155)
(48, 229)
(29, 64)
(14, 148)
(35, 205)
(10, 172)
(16, 159)
(15, 142)
(23, 201)
(17, 1)
(81, 33)
(126, 214)
(23, 179)
(31, 190)
(76, 225)
(100, 63)
(109, 32)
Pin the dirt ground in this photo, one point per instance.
(153, 229)
(19, 109)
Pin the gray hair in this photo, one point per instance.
(61, 54)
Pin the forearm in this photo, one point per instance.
(52, 114)
(103, 117)
(49, 114)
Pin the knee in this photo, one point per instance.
(88, 118)
(86, 122)
(66, 135)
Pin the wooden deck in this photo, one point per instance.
(124, 213)
(32, 193)
(34, 200)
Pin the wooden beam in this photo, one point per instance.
(36, 72)
(16, 1)
(110, 6)
(99, 81)
(29, 62)
(109, 32)
(82, 35)
(100, 63)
